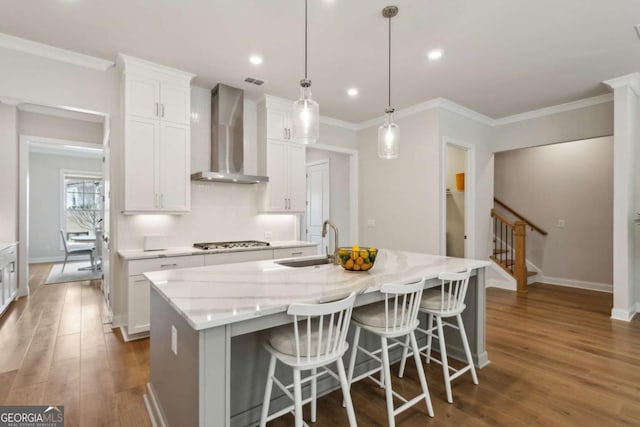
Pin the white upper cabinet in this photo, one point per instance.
(157, 110)
(281, 159)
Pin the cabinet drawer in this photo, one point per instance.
(232, 257)
(169, 263)
(295, 252)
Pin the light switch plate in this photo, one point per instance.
(561, 223)
(174, 340)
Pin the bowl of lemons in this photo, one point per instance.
(356, 258)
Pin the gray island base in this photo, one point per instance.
(208, 366)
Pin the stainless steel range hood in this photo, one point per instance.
(227, 151)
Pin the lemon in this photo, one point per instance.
(364, 254)
(356, 267)
(355, 248)
(343, 251)
(359, 260)
(365, 266)
(349, 264)
(373, 250)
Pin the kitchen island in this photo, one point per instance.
(208, 367)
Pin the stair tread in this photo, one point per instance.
(531, 273)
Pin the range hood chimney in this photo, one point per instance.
(227, 152)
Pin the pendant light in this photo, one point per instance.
(389, 132)
(306, 112)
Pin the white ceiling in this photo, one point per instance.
(502, 57)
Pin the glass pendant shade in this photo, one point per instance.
(389, 139)
(306, 118)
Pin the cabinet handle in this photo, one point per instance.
(296, 253)
(157, 109)
(1, 275)
(162, 109)
(162, 200)
(168, 265)
(288, 133)
(12, 269)
(155, 201)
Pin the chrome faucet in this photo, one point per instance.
(333, 257)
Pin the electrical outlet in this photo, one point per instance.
(268, 234)
(174, 340)
(561, 223)
(371, 223)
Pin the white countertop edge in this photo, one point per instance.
(132, 254)
(5, 245)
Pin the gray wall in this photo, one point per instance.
(582, 123)
(36, 124)
(571, 182)
(44, 201)
(8, 173)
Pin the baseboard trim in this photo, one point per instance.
(47, 259)
(492, 283)
(132, 337)
(580, 284)
(153, 408)
(624, 315)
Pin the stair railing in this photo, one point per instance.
(509, 247)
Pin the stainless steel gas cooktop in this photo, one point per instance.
(230, 245)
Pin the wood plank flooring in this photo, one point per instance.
(556, 360)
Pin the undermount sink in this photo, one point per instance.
(304, 262)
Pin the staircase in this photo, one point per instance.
(509, 245)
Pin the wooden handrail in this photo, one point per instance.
(494, 213)
(516, 213)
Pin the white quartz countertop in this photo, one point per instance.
(5, 245)
(128, 254)
(211, 296)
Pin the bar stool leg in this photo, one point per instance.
(346, 394)
(314, 395)
(387, 382)
(267, 392)
(443, 357)
(429, 337)
(423, 379)
(297, 397)
(467, 350)
(405, 352)
(354, 353)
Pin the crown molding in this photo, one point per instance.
(555, 109)
(632, 80)
(443, 103)
(47, 51)
(338, 123)
(126, 61)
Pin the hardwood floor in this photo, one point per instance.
(556, 360)
(58, 349)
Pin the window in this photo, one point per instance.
(82, 204)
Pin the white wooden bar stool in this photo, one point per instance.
(396, 316)
(448, 301)
(316, 339)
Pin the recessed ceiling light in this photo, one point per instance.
(352, 91)
(255, 59)
(435, 54)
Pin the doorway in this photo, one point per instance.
(458, 187)
(50, 131)
(318, 202)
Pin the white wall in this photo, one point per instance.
(573, 182)
(35, 124)
(340, 191)
(402, 195)
(44, 201)
(9, 173)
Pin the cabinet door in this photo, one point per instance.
(139, 307)
(175, 103)
(277, 172)
(296, 177)
(277, 125)
(142, 96)
(12, 277)
(175, 185)
(141, 164)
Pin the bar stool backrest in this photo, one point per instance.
(321, 329)
(453, 290)
(401, 305)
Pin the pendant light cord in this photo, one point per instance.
(305, 38)
(389, 86)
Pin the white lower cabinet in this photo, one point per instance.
(138, 305)
(138, 287)
(8, 280)
(295, 252)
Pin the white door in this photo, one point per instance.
(318, 209)
(143, 97)
(175, 103)
(106, 213)
(175, 184)
(277, 172)
(140, 160)
(277, 122)
(296, 161)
